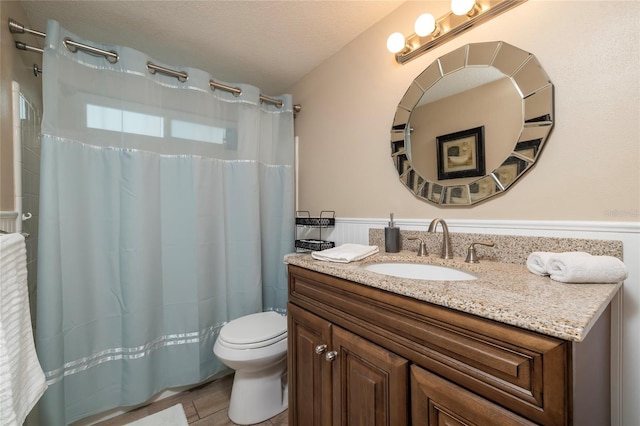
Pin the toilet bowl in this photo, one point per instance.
(255, 346)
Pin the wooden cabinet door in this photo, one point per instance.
(309, 338)
(436, 401)
(370, 384)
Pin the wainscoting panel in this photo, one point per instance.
(8, 221)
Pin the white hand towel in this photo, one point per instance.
(22, 380)
(593, 269)
(345, 253)
(538, 261)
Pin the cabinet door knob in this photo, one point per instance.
(330, 356)
(320, 349)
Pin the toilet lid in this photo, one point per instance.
(254, 331)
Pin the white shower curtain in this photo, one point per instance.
(166, 209)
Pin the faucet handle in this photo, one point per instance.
(472, 257)
(422, 250)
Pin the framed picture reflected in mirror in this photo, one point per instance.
(461, 154)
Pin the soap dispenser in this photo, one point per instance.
(392, 237)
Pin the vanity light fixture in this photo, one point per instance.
(431, 32)
(426, 25)
(395, 43)
(464, 7)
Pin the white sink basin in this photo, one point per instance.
(420, 271)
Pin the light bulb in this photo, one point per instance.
(425, 24)
(395, 42)
(462, 7)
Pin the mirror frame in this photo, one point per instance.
(536, 91)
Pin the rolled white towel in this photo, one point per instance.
(593, 269)
(538, 261)
(345, 253)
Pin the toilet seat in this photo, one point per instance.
(254, 331)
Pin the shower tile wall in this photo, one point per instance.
(30, 119)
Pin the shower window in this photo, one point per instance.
(120, 120)
(197, 132)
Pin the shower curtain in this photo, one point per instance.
(166, 209)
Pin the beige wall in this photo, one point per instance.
(14, 65)
(588, 170)
(496, 106)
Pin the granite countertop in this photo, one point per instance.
(504, 292)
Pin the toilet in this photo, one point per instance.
(255, 346)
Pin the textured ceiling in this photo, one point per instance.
(269, 44)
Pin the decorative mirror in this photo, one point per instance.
(472, 124)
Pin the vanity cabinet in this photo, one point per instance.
(339, 378)
(436, 401)
(394, 360)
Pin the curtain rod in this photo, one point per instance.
(112, 56)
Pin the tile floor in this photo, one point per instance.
(205, 405)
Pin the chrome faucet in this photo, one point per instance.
(422, 248)
(447, 251)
